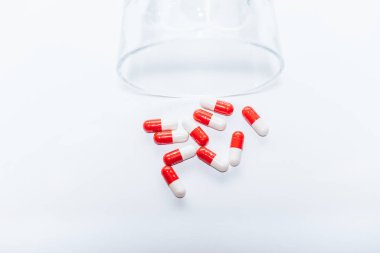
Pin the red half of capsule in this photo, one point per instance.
(164, 137)
(169, 174)
(237, 140)
(153, 126)
(205, 155)
(250, 115)
(224, 108)
(173, 157)
(202, 116)
(199, 136)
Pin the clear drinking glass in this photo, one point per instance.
(181, 48)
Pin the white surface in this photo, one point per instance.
(73, 153)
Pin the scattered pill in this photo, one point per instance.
(209, 119)
(170, 137)
(173, 182)
(166, 132)
(196, 132)
(257, 123)
(158, 125)
(217, 106)
(179, 155)
(210, 158)
(236, 147)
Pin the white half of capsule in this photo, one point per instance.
(169, 124)
(260, 127)
(208, 103)
(180, 136)
(188, 152)
(235, 156)
(217, 123)
(219, 164)
(177, 188)
(189, 125)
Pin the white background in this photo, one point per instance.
(78, 174)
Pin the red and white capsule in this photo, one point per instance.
(210, 158)
(170, 137)
(209, 119)
(158, 125)
(217, 106)
(179, 155)
(236, 148)
(196, 132)
(173, 182)
(257, 123)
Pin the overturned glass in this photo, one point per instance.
(182, 48)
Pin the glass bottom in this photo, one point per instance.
(200, 67)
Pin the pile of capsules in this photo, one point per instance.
(166, 132)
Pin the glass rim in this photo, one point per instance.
(257, 88)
